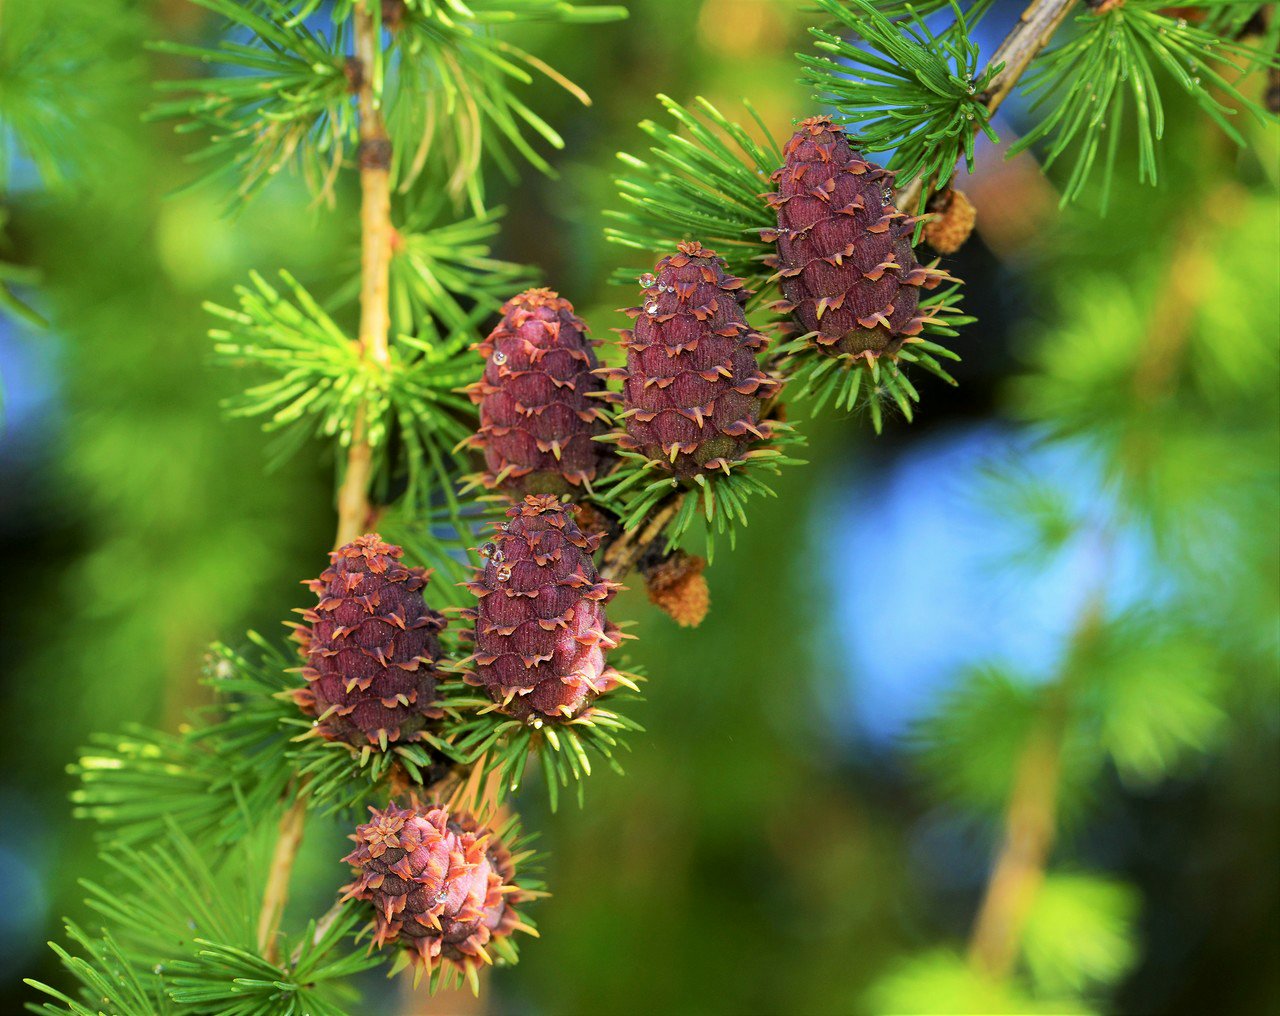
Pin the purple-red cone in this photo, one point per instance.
(439, 884)
(844, 261)
(692, 389)
(541, 634)
(371, 647)
(538, 416)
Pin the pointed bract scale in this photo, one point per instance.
(844, 261)
(538, 413)
(692, 387)
(541, 634)
(439, 885)
(371, 646)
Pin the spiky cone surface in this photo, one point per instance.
(845, 263)
(440, 886)
(678, 588)
(541, 634)
(371, 647)
(538, 416)
(692, 388)
(951, 221)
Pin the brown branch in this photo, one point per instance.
(1031, 816)
(1030, 823)
(1023, 43)
(1170, 327)
(377, 234)
(277, 891)
(1030, 826)
(627, 549)
(354, 508)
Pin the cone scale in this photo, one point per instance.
(541, 634)
(692, 389)
(439, 884)
(844, 259)
(536, 400)
(371, 647)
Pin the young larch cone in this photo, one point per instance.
(692, 388)
(371, 647)
(844, 261)
(538, 416)
(440, 885)
(951, 221)
(540, 629)
(678, 588)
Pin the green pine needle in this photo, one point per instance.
(445, 282)
(215, 779)
(703, 181)
(245, 757)
(191, 925)
(500, 744)
(452, 95)
(904, 88)
(1233, 19)
(133, 784)
(320, 386)
(639, 486)
(1112, 69)
(968, 748)
(64, 69)
(280, 100)
(109, 982)
(846, 382)
(1156, 697)
(1080, 933)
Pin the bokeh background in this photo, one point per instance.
(781, 841)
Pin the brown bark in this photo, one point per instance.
(277, 890)
(355, 511)
(377, 234)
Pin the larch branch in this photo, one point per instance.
(354, 507)
(1024, 42)
(377, 234)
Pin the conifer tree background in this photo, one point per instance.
(984, 715)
